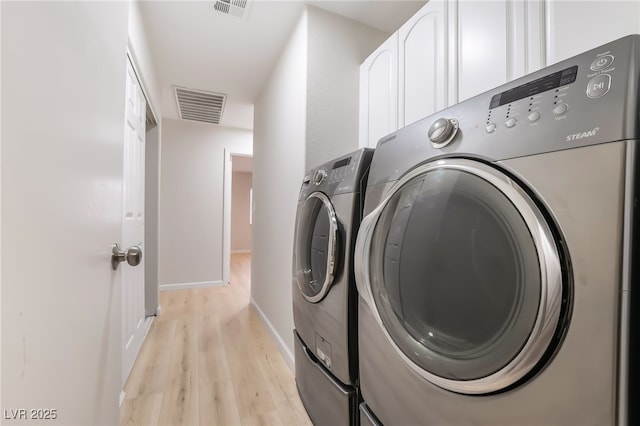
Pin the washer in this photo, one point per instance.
(498, 262)
(324, 292)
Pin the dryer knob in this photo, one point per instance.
(442, 131)
(319, 176)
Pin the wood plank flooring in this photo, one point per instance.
(208, 360)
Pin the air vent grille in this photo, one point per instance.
(237, 8)
(198, 105)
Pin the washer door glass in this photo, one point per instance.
(315, 246)
(457, 277)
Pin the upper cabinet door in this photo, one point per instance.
(498, 42)
(578, 26)
(379, 93)
(423, 71)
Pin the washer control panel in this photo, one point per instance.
(338, 176)
(342, 169)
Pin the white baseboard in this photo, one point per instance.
(148, 321)
(240, 251)
(284, 349)
(147, 325)
(184, 286)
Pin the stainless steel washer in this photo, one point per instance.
(324, 293)
(498, 255)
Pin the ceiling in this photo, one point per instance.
(194, 46)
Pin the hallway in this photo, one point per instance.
(208, 360)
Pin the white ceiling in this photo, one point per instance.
(194, 46)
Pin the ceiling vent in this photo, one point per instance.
(198, 105)
(237, 8)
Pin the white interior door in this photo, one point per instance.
(62, 138)
(133, 308)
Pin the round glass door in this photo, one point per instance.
(315, 246)
(464, 276)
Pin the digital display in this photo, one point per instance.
(551, 81)
(341, 163)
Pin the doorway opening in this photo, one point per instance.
(238, 219)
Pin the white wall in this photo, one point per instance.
(240, 207)
(139, 48)
(1, 216)
(191, 188)
(151, 219)
(308, 108)
(278, 169)
(337, 46)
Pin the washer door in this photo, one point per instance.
(462, 273)
(316, 242)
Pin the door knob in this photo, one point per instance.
(133, 256)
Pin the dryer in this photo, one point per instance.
(324, 293)
(497, 262)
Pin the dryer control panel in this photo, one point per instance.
(588, 99)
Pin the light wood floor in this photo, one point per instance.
(208, 360)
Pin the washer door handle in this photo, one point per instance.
(362, 256)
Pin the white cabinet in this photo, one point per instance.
(577, 26)
(498, 41)
(423, 63)
(379, 93)
(451, 50)
(406, 78)
(447, 52)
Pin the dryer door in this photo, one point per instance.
(316, 243)
(461, 270)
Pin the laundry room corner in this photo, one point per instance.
(306, 114)
(279, 150)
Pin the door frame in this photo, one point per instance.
(152, 307)
(226, 211)
(149, 287)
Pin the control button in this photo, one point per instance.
(599, 86)
(319, 176)
(442, 132)
(534, 116)
(510, 122)
(491, 128)
(560, 109)
(602, 63)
